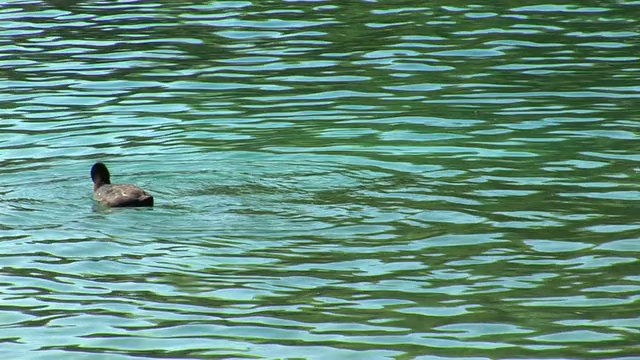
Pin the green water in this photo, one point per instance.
(333, 180)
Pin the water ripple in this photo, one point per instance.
(366, 181)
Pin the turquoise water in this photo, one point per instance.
(361, 180)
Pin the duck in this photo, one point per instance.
(116, 195)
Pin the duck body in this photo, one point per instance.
(116, 195)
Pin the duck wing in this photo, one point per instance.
(122, 195)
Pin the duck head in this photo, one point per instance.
(99, 175)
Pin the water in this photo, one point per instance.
(367, 180)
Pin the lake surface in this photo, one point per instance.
(333, 180)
